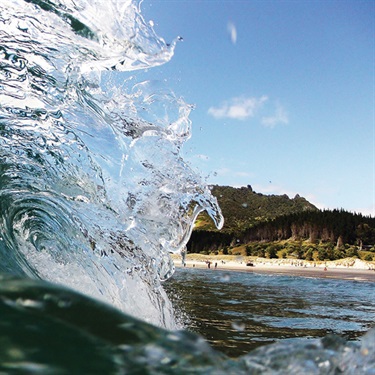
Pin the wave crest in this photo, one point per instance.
(93, 191)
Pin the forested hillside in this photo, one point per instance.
(243, 208)
(264, 225)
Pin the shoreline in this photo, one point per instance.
(343, 269)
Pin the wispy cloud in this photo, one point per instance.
(232, 32)
(280, 117)
(239, 108)
(268, 113)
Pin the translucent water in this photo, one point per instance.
(94, 193)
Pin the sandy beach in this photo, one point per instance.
(345, 269)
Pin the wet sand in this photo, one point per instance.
(359, 271)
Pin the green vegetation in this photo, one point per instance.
(243, 208)
(280, 227)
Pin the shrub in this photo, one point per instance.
(249, 250)
(322, 254)
(352, 252)
(309, 254)
(271, 252)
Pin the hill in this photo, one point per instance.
(243, 208)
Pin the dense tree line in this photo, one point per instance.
(336, 228)
(208, 241)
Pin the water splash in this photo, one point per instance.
(93, 191)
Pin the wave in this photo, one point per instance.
(93, 191)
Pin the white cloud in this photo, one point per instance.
(232, 32)
(239, 108)
(280, 117)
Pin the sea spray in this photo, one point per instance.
(93, 191)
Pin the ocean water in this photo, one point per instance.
(94, 195)
(241, 311)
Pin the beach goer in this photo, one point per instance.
(215, 265)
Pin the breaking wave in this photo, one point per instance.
(94, 193)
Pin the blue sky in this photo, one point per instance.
(283, 94)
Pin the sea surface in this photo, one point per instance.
(240, 311)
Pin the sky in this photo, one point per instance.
(283, 94)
